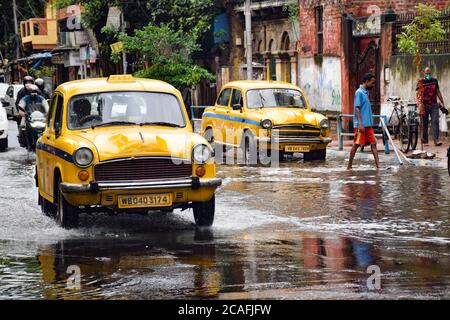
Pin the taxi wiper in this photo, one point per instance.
(160, 123)
(113, 123)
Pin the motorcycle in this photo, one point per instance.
(31, 131)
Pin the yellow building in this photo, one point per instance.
(40, 33)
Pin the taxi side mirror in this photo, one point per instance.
(237, 106)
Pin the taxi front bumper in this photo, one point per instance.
(294, 140)
(94, 187)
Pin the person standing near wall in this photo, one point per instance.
(363, 120)
(428, 90)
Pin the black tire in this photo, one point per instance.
(218, 151)
(414, 137)
(204, 212)
(66, 214)
(3, 144)
(47, 208)
(404, 136)
(448, 161)
(316, 155)
(249, 150)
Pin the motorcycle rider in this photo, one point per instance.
(41, 85)
(31, 102)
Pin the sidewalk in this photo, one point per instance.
(439, 161)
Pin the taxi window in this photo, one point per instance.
(52, 109)
(224, 98)
(237, 97)
(124, 107)
(57, 123)
(273, 98)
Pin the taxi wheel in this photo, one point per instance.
(66, 214)
(315, 155)
(204, 212)
(250, 152)
(3, 144)
(218, 151)
(47, 207)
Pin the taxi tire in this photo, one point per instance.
(66, 214)
(47, 207)
(204, 212)
(315, 155)
(217, 150)
(249, 150)
(3, 144)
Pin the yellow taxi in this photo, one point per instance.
(122, 144)
(270, 115)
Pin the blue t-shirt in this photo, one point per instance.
(362, 101)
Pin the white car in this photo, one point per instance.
(3, 130)
(9, 100)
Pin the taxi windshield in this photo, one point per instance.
(274, 98)
(124, 108)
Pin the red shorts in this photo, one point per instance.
(364, 138)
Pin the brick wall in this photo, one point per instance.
(331, 28)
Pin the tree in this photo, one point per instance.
(165, 54)
(25, 9)
(424, 27)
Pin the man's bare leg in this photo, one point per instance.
(373, 146)
(352, 156)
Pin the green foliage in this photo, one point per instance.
(26, 9)
(424, 27)
(160, 44)
(179, 75)
(41, 72)
(293, 9)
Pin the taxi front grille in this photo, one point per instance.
(142, 169)
(296, 131)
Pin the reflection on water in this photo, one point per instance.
(300, 231)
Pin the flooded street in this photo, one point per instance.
(301, 231)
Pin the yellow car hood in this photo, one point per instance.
(290, 116)
(141, 141)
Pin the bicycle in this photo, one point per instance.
(407, 129)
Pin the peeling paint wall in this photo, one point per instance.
(403, 76)
(320, 78)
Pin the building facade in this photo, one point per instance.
(274, 41)
(341, 40)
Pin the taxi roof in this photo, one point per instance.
(106, 84)
(260, 84)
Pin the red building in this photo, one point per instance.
(341, 40)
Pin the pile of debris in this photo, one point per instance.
(417, 154)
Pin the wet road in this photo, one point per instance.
(302, 231)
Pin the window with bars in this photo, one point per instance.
(319, 29)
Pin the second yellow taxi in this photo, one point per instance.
(270, 115)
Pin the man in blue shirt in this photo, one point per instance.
(362, 120)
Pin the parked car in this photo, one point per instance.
(266, 114)
(3, 88)
(3, 130)
(122, 144)
(9, 100)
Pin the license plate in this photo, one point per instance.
(145, 201)
(297, 149)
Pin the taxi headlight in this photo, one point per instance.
(201, 154)
(83, 157)
(266, 123)
(324, 124)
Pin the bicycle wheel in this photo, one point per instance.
(413, 136)
(403, 136)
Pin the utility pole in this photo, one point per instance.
(124, 55)
(248, 33)
(16, 29)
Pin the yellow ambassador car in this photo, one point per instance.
(122, 144)
(266, 114)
